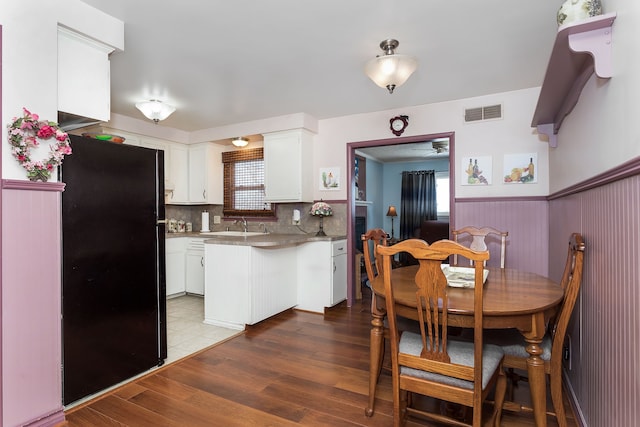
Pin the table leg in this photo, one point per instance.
(535, 370)
(375, 357)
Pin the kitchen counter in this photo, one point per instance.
(261, 240)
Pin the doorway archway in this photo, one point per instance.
(351, 191)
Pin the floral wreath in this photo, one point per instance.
(23, 136)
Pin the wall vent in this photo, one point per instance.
(490, 112)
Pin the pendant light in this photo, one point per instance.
(390, 70)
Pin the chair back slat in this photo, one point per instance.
(478, 243)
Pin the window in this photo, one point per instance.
(442, 193)
(244, 184)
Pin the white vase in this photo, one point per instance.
(578, 10)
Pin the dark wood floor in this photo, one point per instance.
(296, 368)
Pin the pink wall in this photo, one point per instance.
(31, 298)
(605, 329)
(526, 220)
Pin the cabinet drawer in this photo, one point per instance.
(339, 248)
(196, 245)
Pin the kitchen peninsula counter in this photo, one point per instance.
(269, 239)
(248, 279)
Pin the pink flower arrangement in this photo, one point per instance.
(23, 136)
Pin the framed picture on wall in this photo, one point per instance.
(330, 178)
(476, 170)
(520, 168)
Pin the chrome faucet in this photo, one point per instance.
(243, 221)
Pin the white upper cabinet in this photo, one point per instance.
(83, 76)
(177, 172)
(205, 174)
(288, 174)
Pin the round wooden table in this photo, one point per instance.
(512, 299)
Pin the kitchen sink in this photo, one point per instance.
(233, 233)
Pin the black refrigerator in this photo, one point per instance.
(113, 265)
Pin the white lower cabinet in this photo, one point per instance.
(195, 267)
(322, 275)
(175, 250)
(246, 284)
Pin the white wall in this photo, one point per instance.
(511, 135)
(29, 58)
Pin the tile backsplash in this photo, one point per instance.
(335, 225)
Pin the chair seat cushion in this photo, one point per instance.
(513, 343)
(460, 352)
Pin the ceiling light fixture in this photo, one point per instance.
(240, 141)
(391, 69)
(155, 110)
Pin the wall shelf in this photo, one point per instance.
(579, 50)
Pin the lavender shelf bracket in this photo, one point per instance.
(598, 44)
(580, 50)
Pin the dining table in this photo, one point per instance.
(512, 299)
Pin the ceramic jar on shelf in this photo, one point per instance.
(578, 10)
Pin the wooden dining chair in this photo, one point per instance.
(514, 345)
(373, 265)
(428, 363)
(478, 243)
(370, 240)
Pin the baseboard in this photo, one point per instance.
(573, 401)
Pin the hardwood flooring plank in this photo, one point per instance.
(224, 412)
(91, 418)
(130, 414)
(174, 389)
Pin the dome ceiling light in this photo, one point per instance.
(390, 70)
(155, 110)
(240, 141)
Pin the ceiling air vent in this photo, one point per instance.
(483, 113)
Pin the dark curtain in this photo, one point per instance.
(418, 201)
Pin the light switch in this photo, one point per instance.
(216, 219)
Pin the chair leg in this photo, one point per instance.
(501, 388)
(400, 407)
(555, 381)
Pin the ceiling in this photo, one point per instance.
(227, 62)
(411, 152)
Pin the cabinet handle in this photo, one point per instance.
(202, 261)
(334, 267)
(204, 194)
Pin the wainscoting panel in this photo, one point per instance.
(527, 222)
(31, 304)
(605, 329)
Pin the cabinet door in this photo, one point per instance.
(84, 76)
(197, 174)
(178, 174)
(195, 272)
(287, 166)
(175, 255)
(314, 276)
(205, 174)
(339, 282)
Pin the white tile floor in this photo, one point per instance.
(186, 333)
